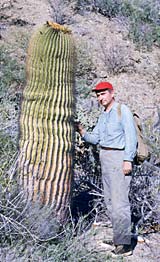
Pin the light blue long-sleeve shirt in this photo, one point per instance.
(115, 131)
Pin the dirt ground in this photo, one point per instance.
(145, 249)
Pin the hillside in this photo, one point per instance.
(104, 52)
(136, 73)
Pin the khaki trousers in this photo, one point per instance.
(116, 189)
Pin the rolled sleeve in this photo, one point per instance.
(92, 137)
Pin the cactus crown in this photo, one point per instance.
(59, 27)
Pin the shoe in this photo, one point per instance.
(102, 224)
(123, 250)
(108, 224)
(108, 242)
(103, 246)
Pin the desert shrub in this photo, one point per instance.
(21, 219)
(109, 8)
(144, 10)
(152, 137)
(143, 21)
(84, 64)
(145, 186)
(8, 150)
(144, 196)
(60, 11)
(12, 80)
(31, 232)
(144, 34)
(83, 5)
(84, 74)
(12, 73)
(116, 59)
(143, 17)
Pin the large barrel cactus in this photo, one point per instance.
(46, 131)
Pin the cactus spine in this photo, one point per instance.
(46, 132)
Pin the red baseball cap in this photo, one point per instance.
(102, 86)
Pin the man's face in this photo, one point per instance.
(105, 97)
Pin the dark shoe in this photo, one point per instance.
(108, 241)
(123, 250)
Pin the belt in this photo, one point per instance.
(109, 148)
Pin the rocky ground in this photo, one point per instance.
(136, 84)
(146, 249)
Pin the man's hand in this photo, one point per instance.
(127, 167)
(79, 128)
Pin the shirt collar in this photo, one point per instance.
(114, 107)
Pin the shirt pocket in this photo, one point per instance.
(114, 128)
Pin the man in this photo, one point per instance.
(116, 135)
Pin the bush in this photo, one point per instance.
(12, 80)
(151, 132)
(84, 70)
(144, 196)
(116, 59)
(142, 34)
(60, 11)
(143, 16)
(30, 232)
(8, 150)
(109, 8)
(12, 73)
